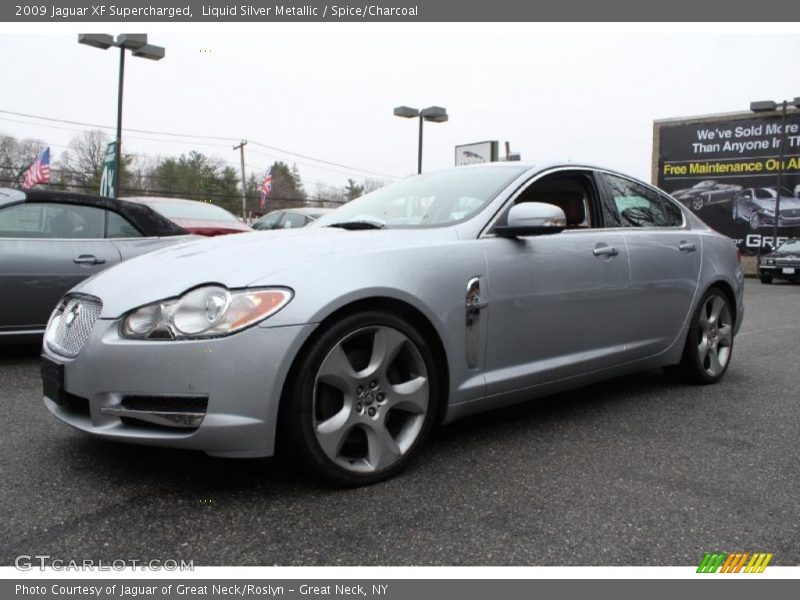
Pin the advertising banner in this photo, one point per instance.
(726, 171)
(108, 181)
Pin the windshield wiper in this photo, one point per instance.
(353, 225)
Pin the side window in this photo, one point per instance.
(118, 226)
(639, 206)
(51, 221)
(268, 222)
(569, 192)
(293, 220)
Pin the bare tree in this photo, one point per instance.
(15, 157)
(82, 163)
(372, 184)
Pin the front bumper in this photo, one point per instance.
(781, 271)
(241, 377)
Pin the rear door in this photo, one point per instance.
(46, 249)
(664, 256)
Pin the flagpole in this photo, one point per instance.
(240, 147)
(118, 149)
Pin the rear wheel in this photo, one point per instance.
(709, 343)
(363, 399)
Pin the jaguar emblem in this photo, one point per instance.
(72, 314)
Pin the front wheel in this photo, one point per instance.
(765, 277)
(709, 343)
(363, 399)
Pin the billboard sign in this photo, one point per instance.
(478, 152)
(726, 171)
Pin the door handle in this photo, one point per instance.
(605, 251)
(88, 259)
(687, 247)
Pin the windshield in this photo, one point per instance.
(192, 210)
(789, 247)
(431, 200)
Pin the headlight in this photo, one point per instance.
(769, 261)
(208, 311)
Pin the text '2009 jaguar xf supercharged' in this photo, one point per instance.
(344, 343)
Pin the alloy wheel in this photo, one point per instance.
(715, 336)
(371, 396)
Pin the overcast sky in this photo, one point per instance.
(328, 91)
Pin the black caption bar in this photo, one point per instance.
(400, 11)
(406, 589)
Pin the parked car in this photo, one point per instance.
(199, 218)
(289, 218)
(50, 241)
(781, 263)
(707, 192)
(354, 337)
(757, 207)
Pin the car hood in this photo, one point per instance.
(237, 261)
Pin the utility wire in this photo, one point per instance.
(199, 137)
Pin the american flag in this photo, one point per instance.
(266, 186)
(39, 171)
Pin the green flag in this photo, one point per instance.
(108, 182)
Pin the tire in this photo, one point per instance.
(362, 399)
(709, 342)
(735, 210)
(698, 203)
(755, 222)
(765, 277)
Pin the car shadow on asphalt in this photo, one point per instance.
(13, 353)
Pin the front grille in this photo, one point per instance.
(177, 413)
(180, 404)
(71, 324)
(787, 262)
(790, 212)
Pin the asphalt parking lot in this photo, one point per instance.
(636, 471)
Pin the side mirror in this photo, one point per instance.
(532, 218)
(767, 247)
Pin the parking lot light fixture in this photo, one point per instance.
(434, 114)
(137, 44)
(771, 106)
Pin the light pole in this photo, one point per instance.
(137, 44)
(434, 114)
(770, 106)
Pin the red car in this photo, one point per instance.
(200, 218)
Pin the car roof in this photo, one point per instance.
(144, 218)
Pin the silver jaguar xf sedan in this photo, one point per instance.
(344, 343)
